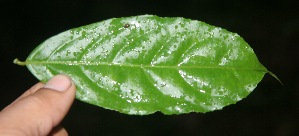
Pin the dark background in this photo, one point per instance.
(270, 27)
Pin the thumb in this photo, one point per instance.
(39, 109)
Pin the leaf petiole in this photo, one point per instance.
(18, 62)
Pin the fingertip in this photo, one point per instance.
(59, 83)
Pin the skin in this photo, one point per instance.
(39, 110)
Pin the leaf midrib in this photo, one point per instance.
(87, 63)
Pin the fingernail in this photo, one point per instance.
(59, 83)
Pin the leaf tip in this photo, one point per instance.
(18, 62)
(273, 75)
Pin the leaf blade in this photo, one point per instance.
(143, 64)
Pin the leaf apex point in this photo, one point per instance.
(273, 75)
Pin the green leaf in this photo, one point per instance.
(143, 64)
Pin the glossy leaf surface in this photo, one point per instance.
(143, 64)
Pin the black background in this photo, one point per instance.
(270, 27)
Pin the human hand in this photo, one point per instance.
(40, 109)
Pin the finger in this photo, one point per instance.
(33, 89)
(38, 113)
(30, 91)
